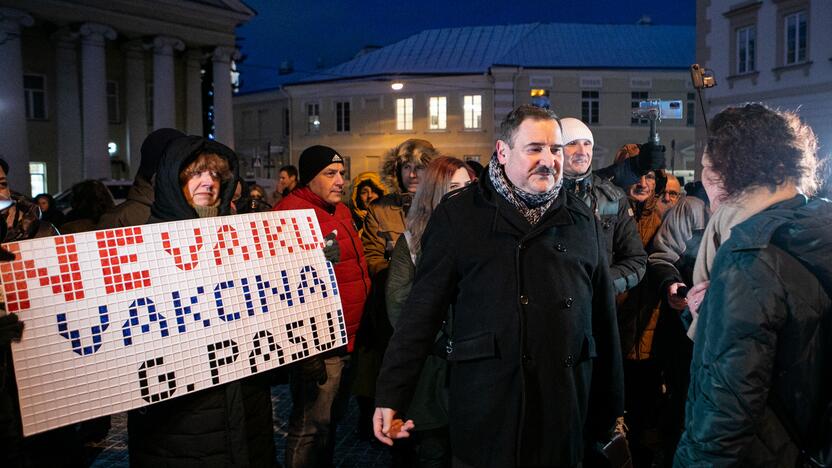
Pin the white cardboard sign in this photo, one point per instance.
(123, 318)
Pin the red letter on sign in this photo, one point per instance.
(16, 273)
(177, 252)
(229, 245)
(111, 261)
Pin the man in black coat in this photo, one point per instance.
(535, 356)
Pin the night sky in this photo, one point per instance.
(322, 33)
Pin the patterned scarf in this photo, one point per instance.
(531, 205)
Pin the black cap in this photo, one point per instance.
(314, 159)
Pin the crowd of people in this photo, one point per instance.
(532, 312)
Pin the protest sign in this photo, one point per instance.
(123, 318)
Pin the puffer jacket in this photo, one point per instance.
(359, 214)
(351, 270)
(224, 426)
(763, 348)
(627, 259)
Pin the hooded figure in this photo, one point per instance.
(136, 209)
(358, 205)
(226, 425)
(385, 218)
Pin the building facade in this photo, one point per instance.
(454, 86)
(83, 82)
(774, 51)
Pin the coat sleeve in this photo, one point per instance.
(374, 245)
(427, 305)
(607, 389)
(733, 360)
(670, 244)
(629, 262)
(399, 280)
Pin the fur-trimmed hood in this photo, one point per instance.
(411, 149)
(374, 179)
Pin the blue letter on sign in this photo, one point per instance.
(133, 321)
(75, 336)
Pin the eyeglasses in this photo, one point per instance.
(673, 194)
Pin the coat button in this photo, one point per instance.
(569, 361)
(568, 302)
(560, 247)
(521, 246)
(526, 357)
(524, 300)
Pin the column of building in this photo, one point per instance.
(94, 99)
(164, 90)
(67, 109)
(223, 114)
(136, 106)
(193, 91)
(15, 149)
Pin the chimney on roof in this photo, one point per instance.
(645, 20)
(286, 67)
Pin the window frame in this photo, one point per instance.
(311, 127)
(588, 98)
(475, 112)
(42, 175)
(745, 50)
(28, 96)
(793, 57)
(441, 113)
(404, 127)
(634, 100)
(343, 122)
(117, 107)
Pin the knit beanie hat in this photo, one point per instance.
(314, 159)
(574, 129)
(152, 149)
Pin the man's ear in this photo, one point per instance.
(502, 151)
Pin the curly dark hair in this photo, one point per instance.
(754, 145)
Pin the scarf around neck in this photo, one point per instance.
(531, 205)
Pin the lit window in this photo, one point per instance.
(590, 103)
(112, 102)
(404, 114)
(746, 49)
(472, 107)
(342, 117)
(796, 32)
(635, 98)
(313, 118)
(37, 174)
(438, 107)
(34, 91)
(540, 98)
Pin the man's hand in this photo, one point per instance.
(332, 251)
(695, 296)
(674, 300)
(386, 426)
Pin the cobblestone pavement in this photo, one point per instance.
(350, 451)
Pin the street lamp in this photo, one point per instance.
(397, 85)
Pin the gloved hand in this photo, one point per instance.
(11, 329)
(650, 157)
(332, 251)
(313, 370)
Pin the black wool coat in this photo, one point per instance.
(535, 357)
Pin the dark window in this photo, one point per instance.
(342, 117)
(34, 91)
(113, 114)
(691, 109)
(589, 106)
(636, 97)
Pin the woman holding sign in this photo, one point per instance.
(225, 425)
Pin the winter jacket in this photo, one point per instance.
(27, 223)
(134, 211)
(676, 243)
(382, 227)
(429, 408)
(351, 270)
(224, 426)
(626, 255)
(359, 214)
(535, 358)
(763, 341)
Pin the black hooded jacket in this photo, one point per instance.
(228, 425)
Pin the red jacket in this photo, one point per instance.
(351, 271)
